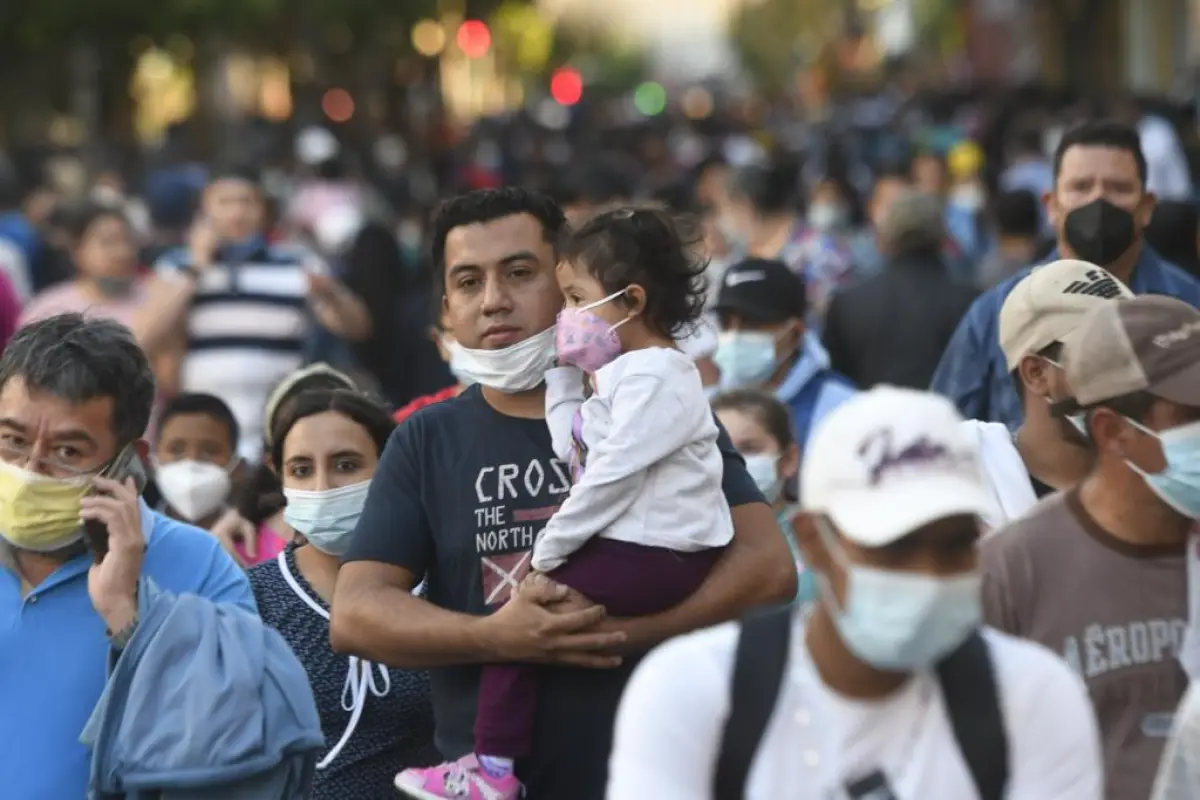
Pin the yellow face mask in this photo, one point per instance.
(39, 513)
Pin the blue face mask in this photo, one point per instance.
(1179, 484)
(745, 358)
(900, 621)
(326, 519)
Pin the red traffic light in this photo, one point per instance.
(566, 86)
(474, 38)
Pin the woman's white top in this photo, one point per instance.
(653, 469)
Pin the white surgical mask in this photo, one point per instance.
(516, 368)
(194, 489)
(764, 469)
(900, 621)
(327, 518)
(825, 217)
(455, 352)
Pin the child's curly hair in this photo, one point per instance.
(652, 247)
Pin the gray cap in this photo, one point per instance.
(915, 219)
(1149, 343)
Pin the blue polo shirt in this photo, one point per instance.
(53, 654)
(973, 372)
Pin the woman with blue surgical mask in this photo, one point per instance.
(761, 429)
(325, 447)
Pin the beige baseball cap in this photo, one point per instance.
(1049, 303)
(1149, 343)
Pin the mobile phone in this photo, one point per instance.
(127, 464)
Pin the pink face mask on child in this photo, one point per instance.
(584, 340)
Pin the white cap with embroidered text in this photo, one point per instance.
(889, 461)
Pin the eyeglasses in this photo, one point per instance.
(50, 466)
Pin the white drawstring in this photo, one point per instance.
(360, 678)
(360, 681)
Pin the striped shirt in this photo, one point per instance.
(247, 329)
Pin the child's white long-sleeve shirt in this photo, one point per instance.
(653, 470)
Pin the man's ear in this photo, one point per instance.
(1034, 375)
(238, 473)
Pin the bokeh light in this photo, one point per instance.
(566, 86)
(428, 38)
(474, 38)
(650, 98)
(338, 105)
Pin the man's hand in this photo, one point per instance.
(202, 244)
(113, 580)
(526, 629)
(231, 528)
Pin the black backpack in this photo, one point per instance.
(966, 676)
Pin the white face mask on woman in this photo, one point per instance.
(516, 368)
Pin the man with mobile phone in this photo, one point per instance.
(90, 576)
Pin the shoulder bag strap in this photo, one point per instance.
(762, 652)
(968, 681)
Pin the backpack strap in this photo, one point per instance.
(762, 652)
(972, 698)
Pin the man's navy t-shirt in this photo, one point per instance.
(459, 498)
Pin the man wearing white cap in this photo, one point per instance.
(1046, 453)
(890, 688)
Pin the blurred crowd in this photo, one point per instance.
(333, 471)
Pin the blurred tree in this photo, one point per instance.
(772, 38)
(607, 61)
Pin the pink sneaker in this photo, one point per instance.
(458, 780)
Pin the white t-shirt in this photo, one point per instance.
(671, 719)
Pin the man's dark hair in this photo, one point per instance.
(488, 205)
(78, 359)
(1103, 133)
(1017, 213)
(235, 171)
(199, 403)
